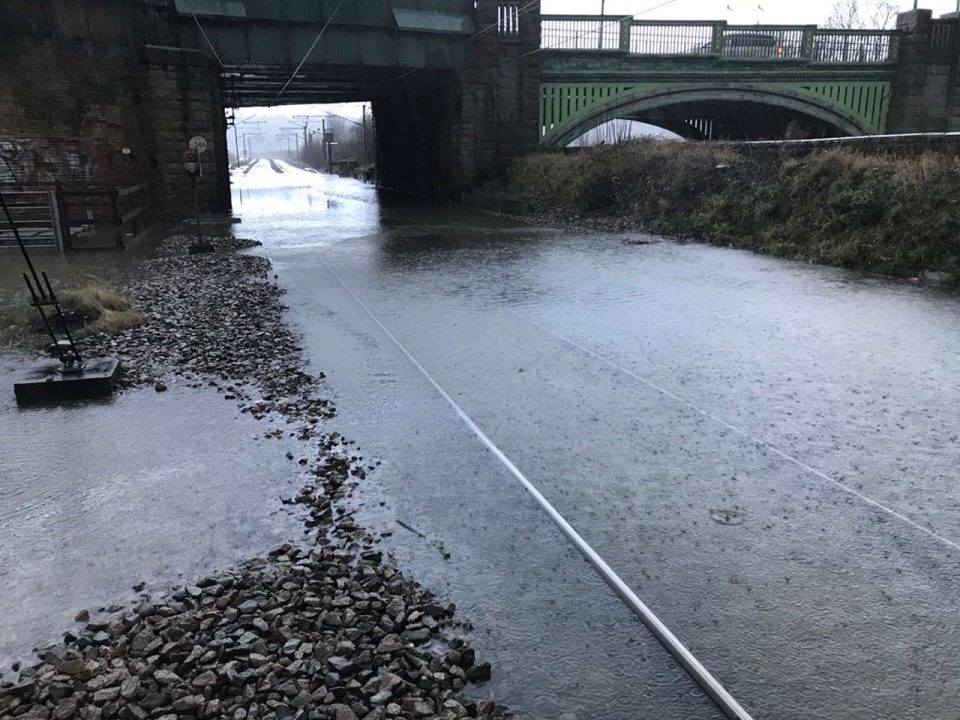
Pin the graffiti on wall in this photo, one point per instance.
(10, 159)
(78, 165)
(25, 162)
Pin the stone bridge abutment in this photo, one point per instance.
(926, 92)
(98, 94)
(443, 132)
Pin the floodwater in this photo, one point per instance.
(147, 487)
(765, 451)
(99, 497)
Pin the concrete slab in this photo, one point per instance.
(50, 382)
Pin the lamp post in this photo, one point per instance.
(603, 5)
(365, 122)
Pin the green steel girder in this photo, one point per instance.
(580, 90)
(398, 34)
(567, 110)
(349, 12)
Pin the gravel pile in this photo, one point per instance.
(216, 314)
(327, 631)
(320, 633)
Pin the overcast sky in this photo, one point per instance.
(736, 11)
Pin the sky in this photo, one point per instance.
(740, 11)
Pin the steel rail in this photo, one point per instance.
(929, 532)
(710, 685)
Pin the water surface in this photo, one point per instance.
(765, 451)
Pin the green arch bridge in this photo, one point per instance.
(709, 80)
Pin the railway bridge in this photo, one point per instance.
(107, 92)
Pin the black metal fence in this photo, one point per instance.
(36, 213)
(709, 38)
(77, 219)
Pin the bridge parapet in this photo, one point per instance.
(717, 38)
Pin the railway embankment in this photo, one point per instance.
(893, 215)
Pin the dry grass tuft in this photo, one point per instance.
(98, 309)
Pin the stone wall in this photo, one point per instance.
(498, 114)
(925, 93)
(181, 99)
(440, 133)
(84, 103)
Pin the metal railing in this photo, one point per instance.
(36, 214)
(671, 38)
(764, 42)
(581, 32)
(855, 46)
(717, 38)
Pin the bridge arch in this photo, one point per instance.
(634, 105)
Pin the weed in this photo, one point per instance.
(95, 309)
(882, 214)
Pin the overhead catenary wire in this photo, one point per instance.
(210, 44)
(577, 35)
(309, 50)
(493, 26)
(528, 8)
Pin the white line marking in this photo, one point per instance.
(743, 433)
(697, 671)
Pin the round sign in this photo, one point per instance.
(198, 143)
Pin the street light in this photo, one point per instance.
(603, 4)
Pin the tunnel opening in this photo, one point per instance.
(400, 129)
(338, 138)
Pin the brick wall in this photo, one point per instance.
(77, 91)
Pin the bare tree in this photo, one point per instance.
(616, 131)
(349, 143)
(861, 14)
(611, 132)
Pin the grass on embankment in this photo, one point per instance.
(97, 309)
(88, 310)
(896, 216)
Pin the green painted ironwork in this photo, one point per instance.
(579, 33)
(569, 109)
(842, 77)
